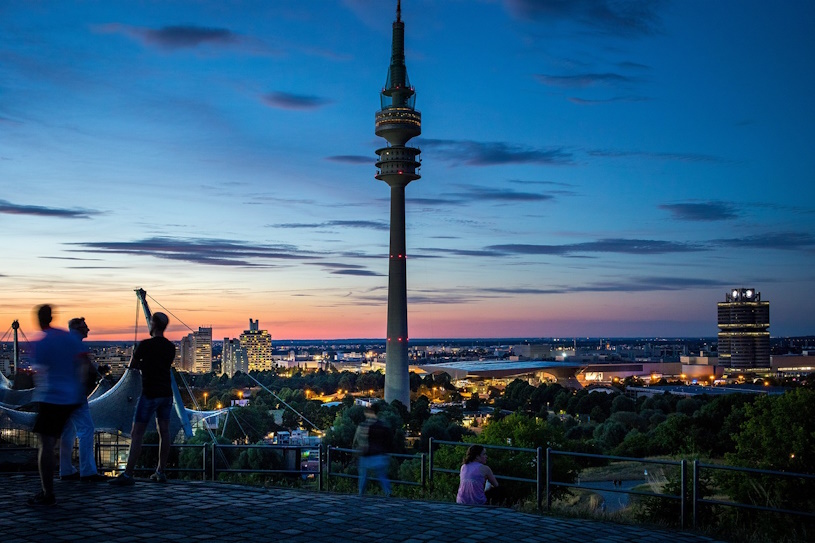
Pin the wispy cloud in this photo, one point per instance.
(627, 18)
(42, 211)
(592, 102)
(788, 241)
(634, 284)
(352, 159)
(583, 80)
(486, 194)
(218, 252)
(704, 211)
(476, 153)
(683, 157)
(371, 225)
(611, 245)
(360, 273)
(284, 100)
(173, 37)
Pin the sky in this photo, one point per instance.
(590, 168)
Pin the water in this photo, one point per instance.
(614, 501)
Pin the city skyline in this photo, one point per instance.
(598, 169)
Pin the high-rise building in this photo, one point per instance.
(397, 121)
(744, 339)
(201, 347)
(258, 347)
(233, 358)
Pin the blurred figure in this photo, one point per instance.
(374, 441)
(59, 391)
(474, 476)
(80, 424)
(154, 358)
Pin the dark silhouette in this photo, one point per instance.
(374, 441)
(154, 358)
(58, 389)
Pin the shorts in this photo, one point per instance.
(162, 407)
(52, 417)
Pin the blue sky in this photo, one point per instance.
(590, 168)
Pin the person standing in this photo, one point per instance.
(374, 441)
(80, 424)
(59, 392)
(154, 358)
(473, 477)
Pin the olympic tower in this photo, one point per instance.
(397, 121)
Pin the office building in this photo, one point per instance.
(257, 344)
(744, 339)
(233, 358)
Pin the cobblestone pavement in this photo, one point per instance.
(181, 511)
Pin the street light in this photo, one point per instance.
(205, 399)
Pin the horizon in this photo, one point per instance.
(599, 172)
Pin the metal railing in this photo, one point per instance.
(682, 464)
(538, 452)
(218, 450)
(698, 499)
(421, 457)
(543, 480)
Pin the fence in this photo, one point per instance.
(108, 452)
(349, 452)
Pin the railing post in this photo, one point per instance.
(214, 445)
(423, 479)
(430, 461)
(538, 478)
(320, 468)
(327, 464)
(695, 492)
(548, 478)
(684, 494)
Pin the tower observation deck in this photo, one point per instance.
(397, 121)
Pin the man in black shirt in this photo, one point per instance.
(154, 358)
(373, 440)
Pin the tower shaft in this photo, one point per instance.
(397, 121)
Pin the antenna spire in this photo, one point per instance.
(398, 10)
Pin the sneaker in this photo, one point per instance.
(158, 477)
(123, 480)
(40, 499)
(95, 478)
(72, 477)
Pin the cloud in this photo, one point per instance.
(352, 159)
(173, 37)
(785, 241)
(284, 100)
(591, 102)
(635, 284)
(459, 252)
(583, 80)
(683, 157)
(626, 18)
(611, 245)
(372, 225)
(218, 252)
(485, 194)
(41, 211)
(474, 153)
(706, 211)
(362, 273)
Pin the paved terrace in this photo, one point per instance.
(196, 511)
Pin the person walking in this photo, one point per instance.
(80, 425)
(58, 391)
(154, 358)
(374, 441)
(474, 475)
